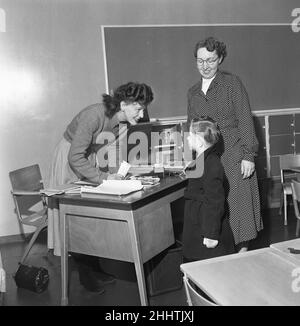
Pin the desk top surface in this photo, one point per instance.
(258, 277)
(284, 246)
(295, 169)
(131, 201)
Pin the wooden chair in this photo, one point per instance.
(286, 163)
(31, 206)
(296, 200)
(194, 298)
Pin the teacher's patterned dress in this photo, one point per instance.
(226, 101)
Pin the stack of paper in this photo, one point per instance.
(124, 168)
(85, 183)
(62, 189)
(140, 169)
(146, 180)
(114, 187)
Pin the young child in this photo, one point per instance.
(206, 231)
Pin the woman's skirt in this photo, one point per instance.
(60, 173)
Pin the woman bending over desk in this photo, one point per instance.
(75, 159)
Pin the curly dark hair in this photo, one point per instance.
(211, 44)
(129, 93)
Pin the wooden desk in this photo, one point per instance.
(295, 169)
(132, 228)
(282, 247)
(259, 277)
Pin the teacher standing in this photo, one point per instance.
(222, 96)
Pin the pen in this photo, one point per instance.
(294, 250)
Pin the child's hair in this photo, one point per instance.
(208, 129)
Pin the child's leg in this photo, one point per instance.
(242, 246)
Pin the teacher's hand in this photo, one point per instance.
(247, 168)
(115, 176)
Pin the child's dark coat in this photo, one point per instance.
(204, 212)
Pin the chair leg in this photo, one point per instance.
(281, 203)
(298, 228)
(31, 242)
(187, 293)
(285, 208)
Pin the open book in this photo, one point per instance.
(114, 187)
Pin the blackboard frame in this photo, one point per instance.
(264, 56)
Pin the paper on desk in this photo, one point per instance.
(84, 183)
(114, 187)
(124, 168)
(141, 169)
(146, 180)
(61, 189)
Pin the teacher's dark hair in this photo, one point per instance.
(211, 44)
(129, 93)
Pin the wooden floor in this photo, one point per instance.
(125, 291)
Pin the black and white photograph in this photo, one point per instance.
(150, 156)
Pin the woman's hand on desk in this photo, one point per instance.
(115, 176)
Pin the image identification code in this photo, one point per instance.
(153, 315)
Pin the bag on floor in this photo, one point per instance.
(32, 278)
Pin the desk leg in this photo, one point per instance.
(64, 257)
(138, 262)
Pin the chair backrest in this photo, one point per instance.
(194, 298)
(286, 162)
(27, 178)
(296, 196)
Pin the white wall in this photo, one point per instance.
(51, 66)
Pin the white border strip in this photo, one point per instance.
(257, 113)
(104, 60)
(267, 139)
(282, 111)
(191, 25)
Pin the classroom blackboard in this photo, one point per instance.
(265, 57)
